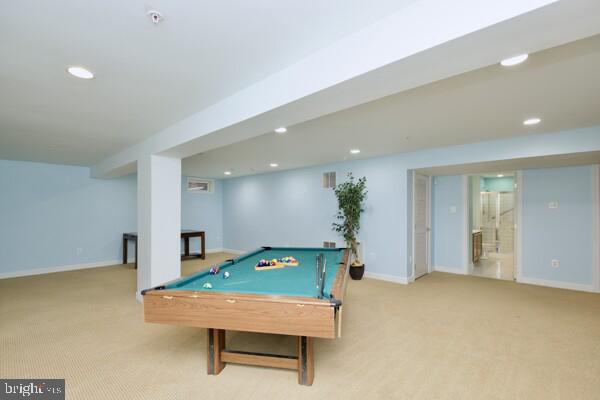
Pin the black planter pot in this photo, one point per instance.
(357, 272)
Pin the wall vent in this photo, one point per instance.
(329, 245)
(199, 185)
(329, 180)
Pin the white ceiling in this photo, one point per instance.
(147, 77)
(560, 85)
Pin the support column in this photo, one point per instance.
(158, 221)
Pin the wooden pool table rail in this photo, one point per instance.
(296, 316)
(286, 315)
(303, 317)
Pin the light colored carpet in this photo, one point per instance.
(443, 337)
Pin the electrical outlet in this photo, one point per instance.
(553, 204)
(555, 263)
(79, 251)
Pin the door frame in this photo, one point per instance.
(596, 222)
(517, 202)
(517, 246)
(428, 223)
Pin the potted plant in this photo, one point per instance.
(351, 195)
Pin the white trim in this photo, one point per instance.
(518, 244)
(233, 251)
(61, 268)
(412, 228)
(596, 226)
(412, 278)
(450, 270)
(466, 225)
(557, 284)
(75, 267)
(429, 228)
(215, 250)
(387, 278)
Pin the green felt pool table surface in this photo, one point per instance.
(289, 281)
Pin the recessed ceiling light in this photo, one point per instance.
(354, 151)
(227, 172)
(273, 165)
(281, 129)
(509, 62)
(80, 72)
(500, 176)
(532, 121)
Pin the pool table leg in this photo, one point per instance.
(306, 365)
(216, 344)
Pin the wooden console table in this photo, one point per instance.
(186, 234)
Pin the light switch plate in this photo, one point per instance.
(452, 209)
(553, 204)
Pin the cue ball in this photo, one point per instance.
(225, 275)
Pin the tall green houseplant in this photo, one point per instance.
(351, 196)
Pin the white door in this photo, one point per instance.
(421, 225)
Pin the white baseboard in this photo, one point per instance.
(139, 297)
(215, 250)
(61, 268)
(450, 270)
(557, 284)
(233, 251)
(108, 263)
(386, 277)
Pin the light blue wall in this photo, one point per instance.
(564, 233)
(292, 208)
(447, 222)
(48, 211)
(280, 208)
(504, 184)
(203, 211)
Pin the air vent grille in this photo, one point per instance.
(329, 180)
(200, 185)
(329, 245)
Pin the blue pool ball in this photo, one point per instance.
(225, 275)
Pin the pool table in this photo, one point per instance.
(281, 301)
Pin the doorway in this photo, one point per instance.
(421, 229)
(492, 216)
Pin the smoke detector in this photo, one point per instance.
(155, 16)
